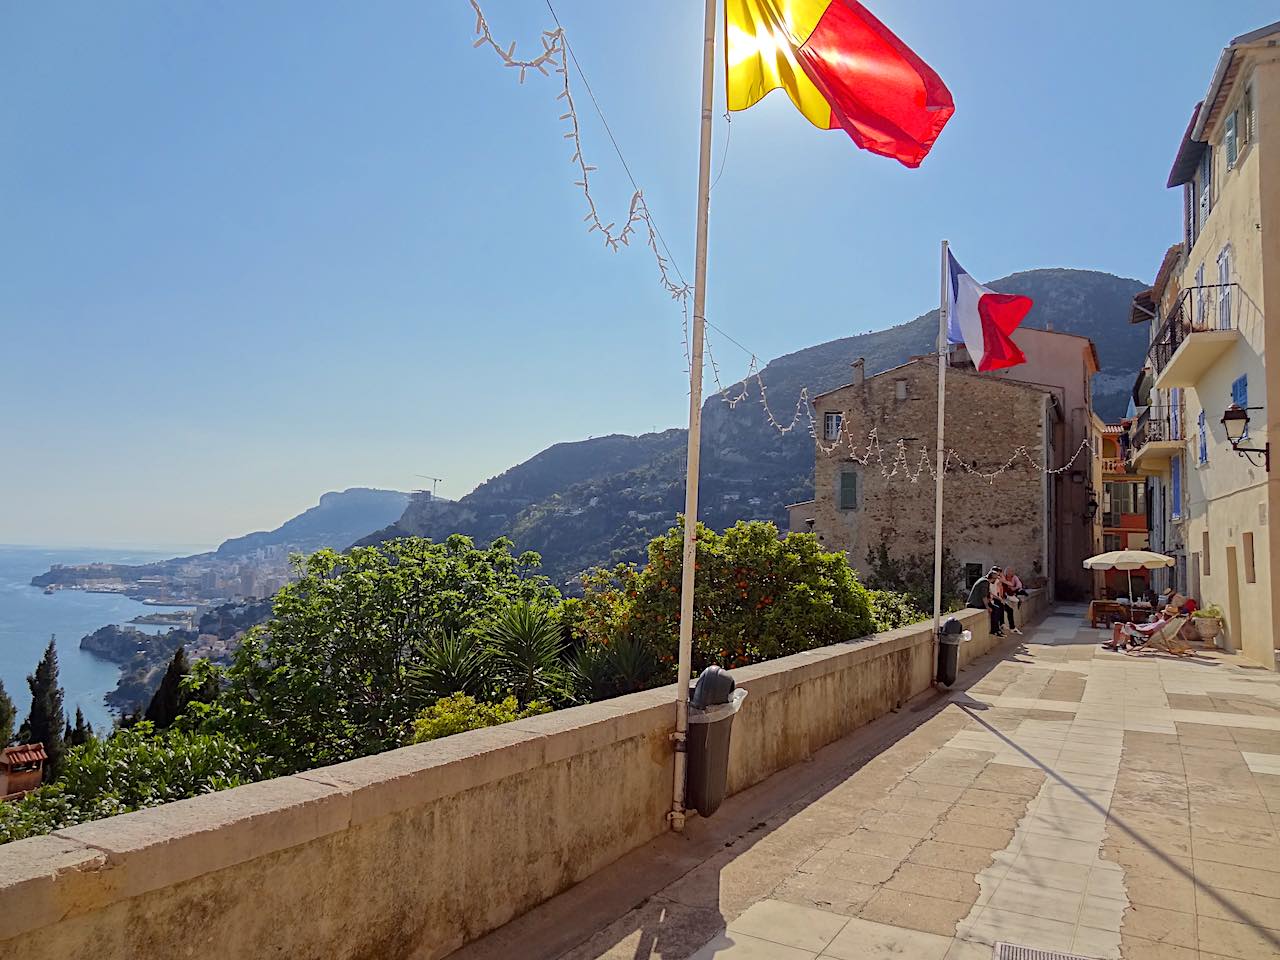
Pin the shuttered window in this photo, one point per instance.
(1231, 139)
(848, 493)
(831, 426)
(1206, 184)
(1204, 438)
(1240, 397)
(1224, 288)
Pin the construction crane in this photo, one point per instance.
(435, 481)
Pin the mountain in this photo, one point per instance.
(249, 566)
(599, 501)
(336, 521)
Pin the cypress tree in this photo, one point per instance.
(81, 733)
(8, 714)
(169, 699)
(47, 719)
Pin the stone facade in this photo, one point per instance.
(1007, 521)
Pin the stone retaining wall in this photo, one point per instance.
(414, 852)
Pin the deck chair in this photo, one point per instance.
(1166, 640)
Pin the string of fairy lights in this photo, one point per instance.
(893, 460)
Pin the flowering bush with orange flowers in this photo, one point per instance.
(758, 596)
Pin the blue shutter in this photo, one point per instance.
(1204, 440)
(1240, 395)
(1175, 493)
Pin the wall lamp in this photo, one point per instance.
(1091, 510)
(1236, 422)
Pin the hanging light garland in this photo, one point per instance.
(554, 59)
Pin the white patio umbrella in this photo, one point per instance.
(1128, 560)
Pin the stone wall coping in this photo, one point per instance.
(83, 868)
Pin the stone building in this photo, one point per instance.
(1008, 520)
(1064, 363)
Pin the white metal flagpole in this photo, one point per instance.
(937, 496)
(677, 816)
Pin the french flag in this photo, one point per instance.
(983, 320)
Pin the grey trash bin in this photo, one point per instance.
(713, 702)
(950, 635)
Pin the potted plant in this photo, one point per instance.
(1208, 623)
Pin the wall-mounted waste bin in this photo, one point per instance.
(950, 635)
(713, 702)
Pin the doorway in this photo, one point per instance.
(1234, 629)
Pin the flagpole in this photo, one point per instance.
(941, 463)
(677, 814)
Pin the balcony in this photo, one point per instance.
(1204, 325)
(1157, 437)
(1115, 465)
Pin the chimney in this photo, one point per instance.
(859, 371)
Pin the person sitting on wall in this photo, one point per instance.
(1136, 634)
(1013, 583)
(980, 597)
(1003, 597)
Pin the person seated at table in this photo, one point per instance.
(1136, 634)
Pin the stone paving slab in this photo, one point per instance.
(1067, 798)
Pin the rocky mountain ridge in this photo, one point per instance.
(599, 501)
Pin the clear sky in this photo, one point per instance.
(253, 252)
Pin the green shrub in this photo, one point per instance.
(892, 610)
(129, 770)
(459, 713)
(758, 596)
(1211, 612)
(335, 673)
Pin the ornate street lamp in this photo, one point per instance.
(1235, 420)
(1091, 510)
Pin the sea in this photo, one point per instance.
(29, 616)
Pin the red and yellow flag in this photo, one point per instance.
(841, 67)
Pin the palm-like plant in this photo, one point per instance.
(448, 663)
(625, 665)
(525, 645)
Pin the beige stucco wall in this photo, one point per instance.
(985, 523)
(414, 852)
(1228, 497)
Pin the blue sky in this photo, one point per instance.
(254, 252)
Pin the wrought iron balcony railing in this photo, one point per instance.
(1213, 306)
(1160, 422)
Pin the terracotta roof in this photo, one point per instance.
(26, 753)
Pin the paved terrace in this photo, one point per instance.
(1069, 799)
